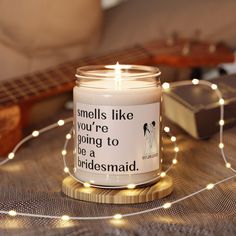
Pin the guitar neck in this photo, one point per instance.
(60, 79)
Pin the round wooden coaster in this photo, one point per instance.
(76, 190)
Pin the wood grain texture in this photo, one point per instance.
(76, 190)
(10, 128)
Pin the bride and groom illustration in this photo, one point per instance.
(150, 144)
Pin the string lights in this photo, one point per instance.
(167, 205)
(129, 186)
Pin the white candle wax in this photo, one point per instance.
(115, 122)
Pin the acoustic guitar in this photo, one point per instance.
(18, 95)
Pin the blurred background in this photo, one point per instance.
(43, 42)
(35, 35)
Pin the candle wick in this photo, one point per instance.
(117, 76)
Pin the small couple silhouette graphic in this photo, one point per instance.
(150, 144)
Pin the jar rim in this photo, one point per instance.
(131, 72)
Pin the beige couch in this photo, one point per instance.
(37, 35)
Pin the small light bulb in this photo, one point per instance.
(87, 185)
(176, 149)
(214, 86)
(65, 217)
(66, 169)
(167, 205)
(222, 101)
(12, 213)
(63, 152)
(221, 145)
(167, 129)
(61, 122)
(131, 186)
(174, 161)
(228, 165)
(173, 138)
(195, 81)
(163, 174)
(210, 186)
(165, 86)
(221, 122)
(68, 136)
(35, 133)
(117, 216)
(11, 155)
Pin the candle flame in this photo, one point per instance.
(117, 71)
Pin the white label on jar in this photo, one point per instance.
(117, 139)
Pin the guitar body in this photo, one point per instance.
(10, 128)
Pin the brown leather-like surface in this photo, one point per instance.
(202, 97)
(203, 102)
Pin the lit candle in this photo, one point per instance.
(117, 113)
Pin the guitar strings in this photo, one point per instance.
(14, 95)
(132, 54)
(123, 56)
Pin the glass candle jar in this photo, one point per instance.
(117, 120)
